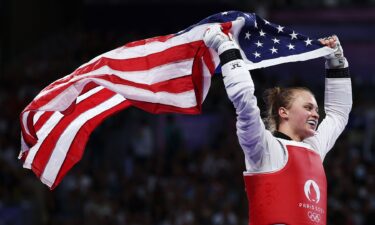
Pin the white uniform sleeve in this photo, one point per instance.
(337, 106)
(262, 151)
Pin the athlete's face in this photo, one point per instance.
(303, 115)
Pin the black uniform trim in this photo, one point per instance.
(338, 73)
(278, 134)
(230, 55)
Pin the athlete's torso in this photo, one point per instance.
(294, 195)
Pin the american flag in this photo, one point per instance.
(165, 74)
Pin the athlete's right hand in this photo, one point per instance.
(336, 59)
(214, 37)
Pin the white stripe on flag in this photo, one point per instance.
(155, 75)
(66, 138)
(25, 115)
(291, 58)
(194, 34)
(206, 80)
(42, 133)
(182, 100)
(37, 116)
(88, 94)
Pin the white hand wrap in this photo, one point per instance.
(336, 60)
(214, 37)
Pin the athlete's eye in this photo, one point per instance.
(308, 107)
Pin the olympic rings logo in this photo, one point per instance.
(315, 217)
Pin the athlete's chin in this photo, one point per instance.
(308, 133)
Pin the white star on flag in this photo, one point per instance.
(293, 35)
(273, 50)
(261, 33)
(259, 44)
(308, 41)
(247, 35)
(275, 40)
(256, 54)
(290, 46)
(280, 29)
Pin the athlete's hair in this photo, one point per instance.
(275, 98)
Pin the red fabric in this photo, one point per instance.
(289, 196)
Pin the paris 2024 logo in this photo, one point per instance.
(312, 191)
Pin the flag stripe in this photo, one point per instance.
(149, 77)
(183, 99)
(45, 115)
(173, 54)
(149, 40)
(27, 138)
(77, 146)
(54, 163)
(65, 88)
(176, 85)
(154, 75)
(37, 115)
(47, 144)
(88, 93)
(42, 120)
(154, 46)
(48, 126)
(25, 129)
(43, 133)
(162, 108)
(209, 61)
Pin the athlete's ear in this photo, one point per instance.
(283, 113)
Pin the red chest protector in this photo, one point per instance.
(295, 195)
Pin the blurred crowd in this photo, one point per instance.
(143, 169)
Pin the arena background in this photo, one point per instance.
(141, 169)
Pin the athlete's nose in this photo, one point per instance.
(315, 114)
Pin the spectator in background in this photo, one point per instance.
(143, 142)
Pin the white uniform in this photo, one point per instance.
(263, 152)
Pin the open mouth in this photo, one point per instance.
(312, 123)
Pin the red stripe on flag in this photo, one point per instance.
(226, 27)
(149, 40)
(24, 156)
(45, 150)
(88, 87)
(29, 137)
(42, 120)
(172, 54)
(46, 115)
(30, 123)
(158, 108)
(197, 76)
(77, 147)
(176, 85)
